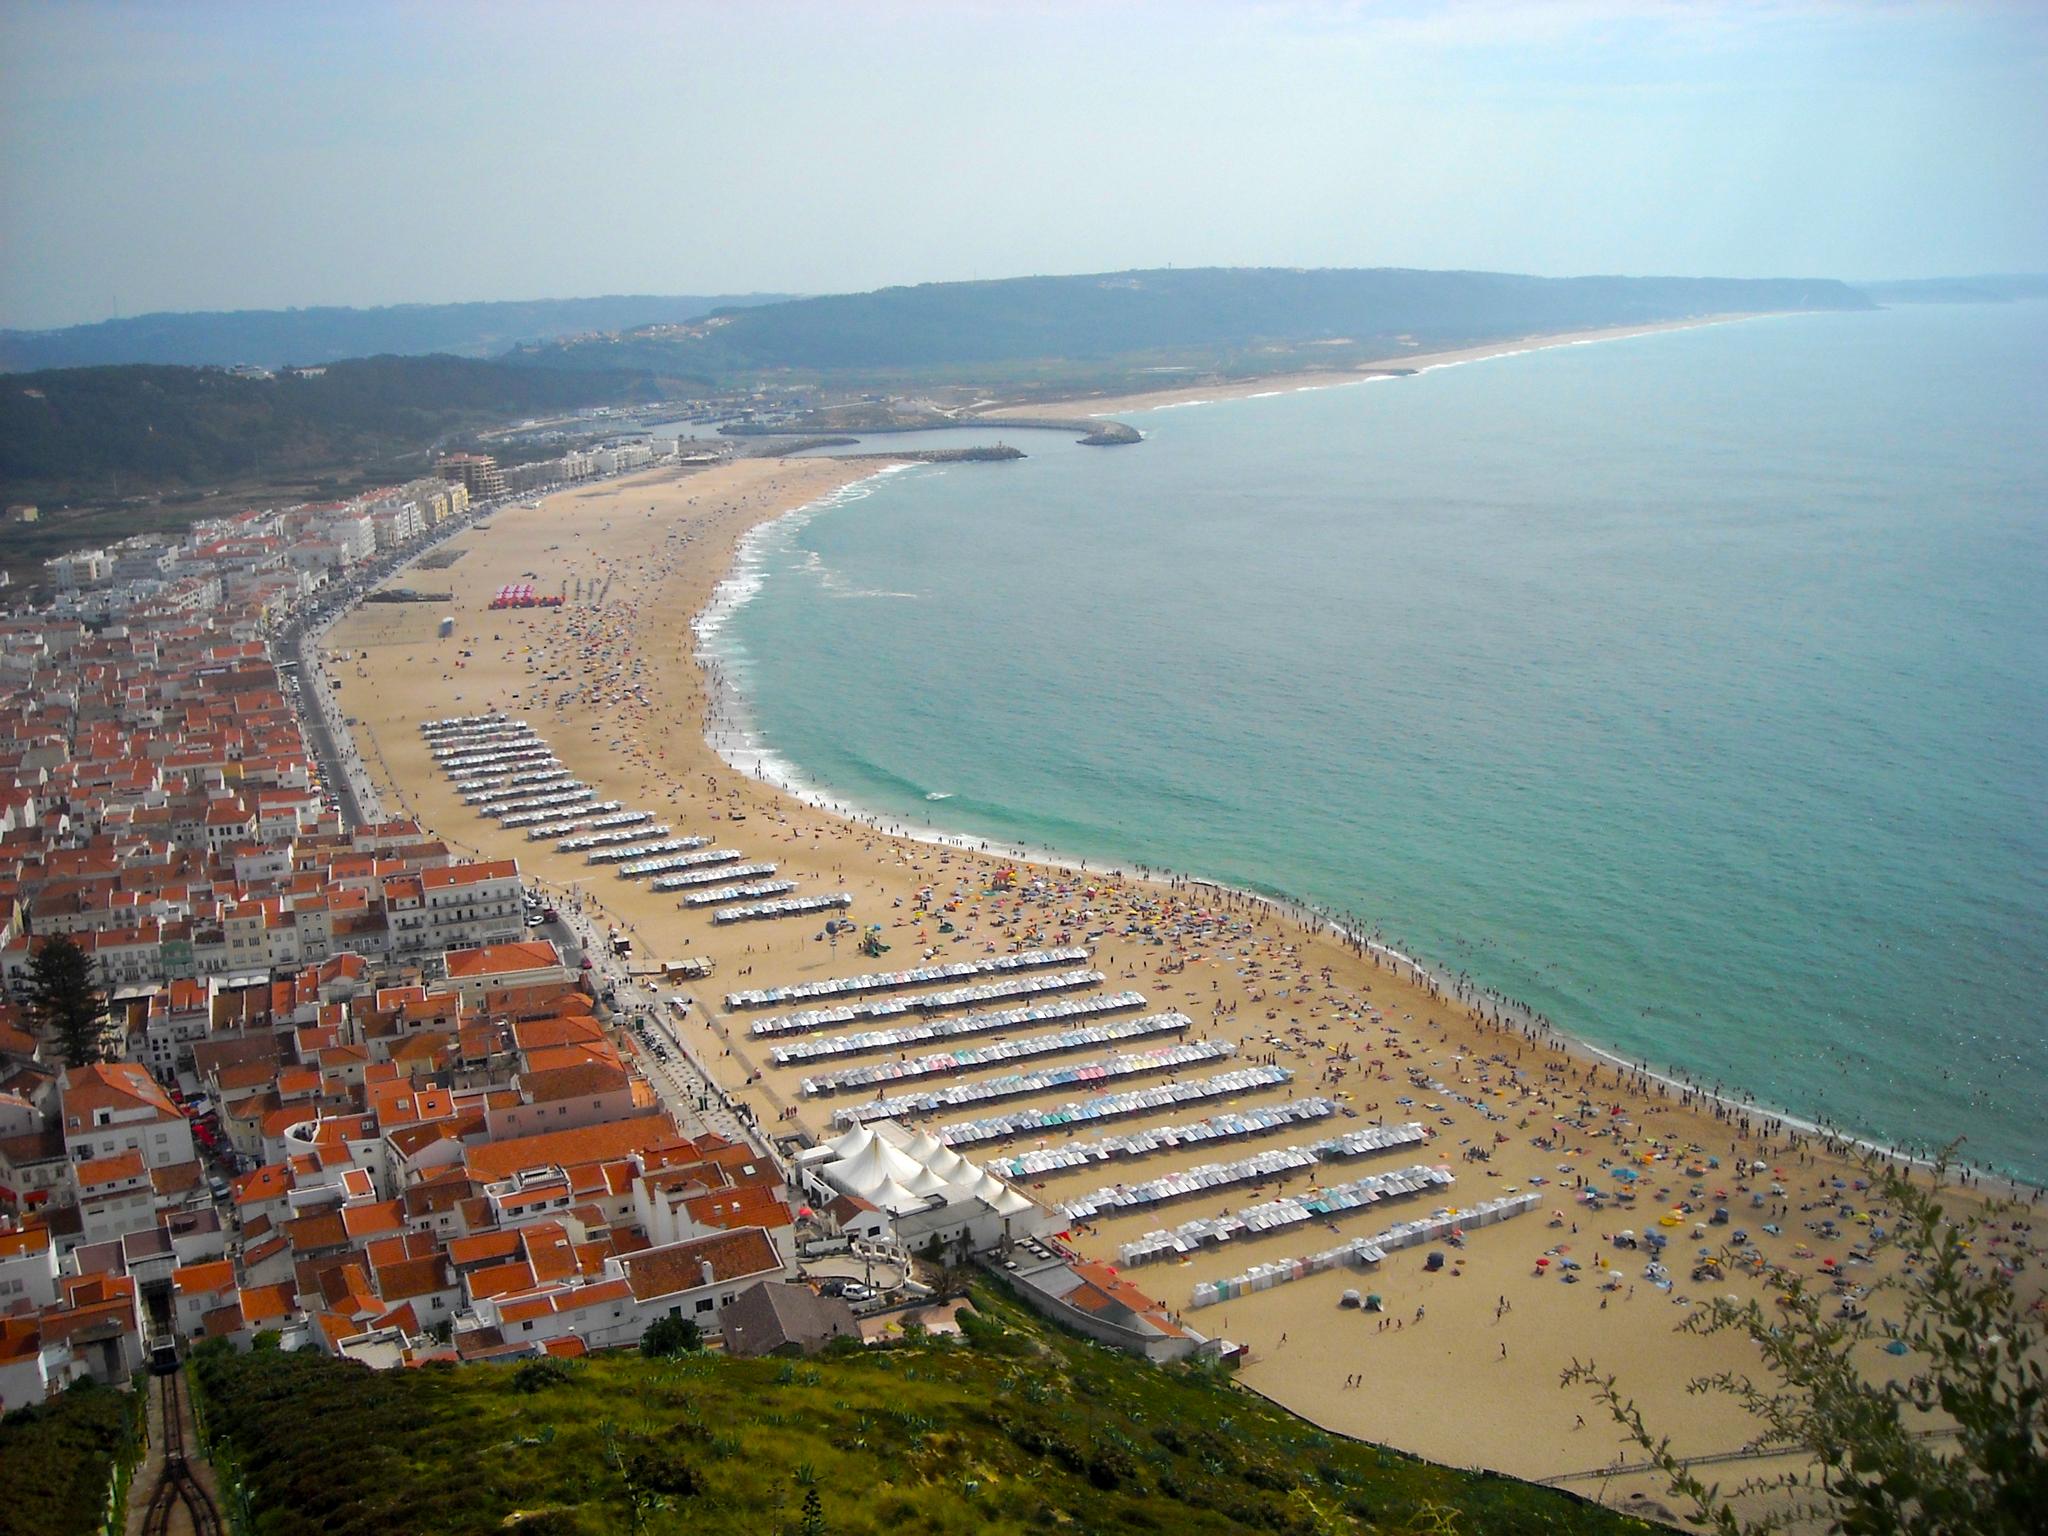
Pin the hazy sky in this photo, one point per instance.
(203, 155)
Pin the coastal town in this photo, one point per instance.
(495, 1017)
(348, 1087)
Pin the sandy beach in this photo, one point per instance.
(1463, 1366)
(1411, 361)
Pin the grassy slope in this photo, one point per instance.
(1024, 1430)
(55, 1459)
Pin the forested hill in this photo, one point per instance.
(1121, 314)
(83, 432)
(271, 338)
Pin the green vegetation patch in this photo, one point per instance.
(57, 1459)
(82, 433)
(1016, 1429)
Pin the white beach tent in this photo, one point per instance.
(851, 1145)
(999, 1196)
(941, 1159)
(876, 1165)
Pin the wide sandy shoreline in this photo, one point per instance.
(1418, 361)
(1473, 1384)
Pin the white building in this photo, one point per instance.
(115, 1107)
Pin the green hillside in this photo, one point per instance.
(58, 1457)
(80, 433)
(1197, 312)
(1019, 1430)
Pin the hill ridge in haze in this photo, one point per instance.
(271, 338)
(1175, 310)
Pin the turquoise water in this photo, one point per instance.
(1687, 687)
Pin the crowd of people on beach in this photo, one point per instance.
(1503, 1094)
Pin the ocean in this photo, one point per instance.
(1687, 687)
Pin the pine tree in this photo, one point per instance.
(63, 1000)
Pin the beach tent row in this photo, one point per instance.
(671, 863)
(612, 837)
(1434, 1228)
(620, 853)
(498, 783)
(485, 749)
(723, 893)
(482, 779)
(1257, 1168)
(498, 752)
(488, 790)
(930, 1002)
(682, 859)
(1193, 1133)
(888, 981)
(531, 776)
(624, 842)
(687, 878)
(487, 800)
(469, 762)
(1372, 1138)
(499, 758)
(479, 761)
(590, 818)
(541, 825)
(570, 794)
(583, 817)
(523, 768)
(462, 725)
(1113, 1106)
(512, 801)
(1016, 1085)
(480, 746)
(1274, 1162)
(504, 769)
(795, 906)
(971, 1058)
(1277, 1215)
(554, 799)
(949, 1029)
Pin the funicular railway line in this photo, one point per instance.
(180, 1503)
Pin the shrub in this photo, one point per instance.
(542, 1374)
(669, 1336)
(661, 1471)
